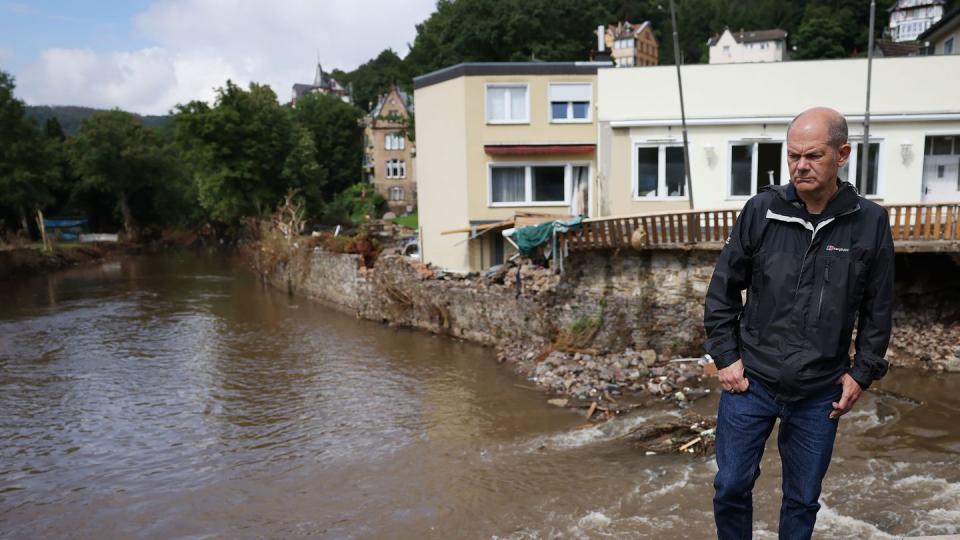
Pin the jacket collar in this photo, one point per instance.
(845, 200)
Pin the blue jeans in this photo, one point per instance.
(805, 441)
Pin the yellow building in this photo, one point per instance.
(498, 140)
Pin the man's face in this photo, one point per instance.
(812, 161)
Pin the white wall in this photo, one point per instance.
(756, 101)
(728, 51)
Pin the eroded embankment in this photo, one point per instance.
(613, 323)
(30, 261)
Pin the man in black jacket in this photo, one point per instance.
(814, 257)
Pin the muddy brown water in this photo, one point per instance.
(174, 397)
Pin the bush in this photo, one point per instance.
(354, 205)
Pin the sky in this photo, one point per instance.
(146, 56)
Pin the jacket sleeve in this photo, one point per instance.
(724, 304)
(873, 332)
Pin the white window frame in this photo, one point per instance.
(391, 194)
(881, 159)
(661, 170)
(508, 105)
(393, 141)
(569, 119)
(784, 167)
(528, 181)
(396, 168)
(949, 42)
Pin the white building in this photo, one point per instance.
(910, 18)
(737, 118)
(943, 37)
(747, 46)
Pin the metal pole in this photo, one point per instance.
(683, 114)
(865, 166)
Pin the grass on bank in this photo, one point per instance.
(410, 221)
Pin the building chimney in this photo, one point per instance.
(601, 33)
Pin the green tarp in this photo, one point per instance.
(529, 238)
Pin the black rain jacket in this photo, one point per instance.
(805, 287)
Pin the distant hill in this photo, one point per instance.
(70, 116)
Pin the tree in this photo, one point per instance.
(338, 138)
(820, 36)
(238, 150)
(28, 161)
(113, 152)
(374, 78)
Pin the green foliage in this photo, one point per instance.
(70, 117)
(238, 149)
(375, 77)
(29, 169)
(356, 204)
(821, 35)
(115, 154)
(338, 138)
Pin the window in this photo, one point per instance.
(540, 184)
(659, 171)
(753, 166)
(851, 171)
(393, 141)
(948, 46)
(943, 145)
(396, 168)
(570, 102)
(506, 104)
(395, 193)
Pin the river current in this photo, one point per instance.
(174, 396)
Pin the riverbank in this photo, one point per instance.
(613, 325)
(26, 261)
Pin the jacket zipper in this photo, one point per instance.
(812, 238)
(826, 279)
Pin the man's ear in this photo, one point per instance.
(843, 154)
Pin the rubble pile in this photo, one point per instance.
(592, 375)
(692, 433)
(923, 340)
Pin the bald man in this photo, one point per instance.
(813, 255)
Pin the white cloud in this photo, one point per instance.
(201, 43)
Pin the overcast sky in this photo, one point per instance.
(148, 55)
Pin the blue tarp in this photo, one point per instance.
(64, 223)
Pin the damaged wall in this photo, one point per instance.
(639, 300)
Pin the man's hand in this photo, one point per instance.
(851, 393)
(732, 379)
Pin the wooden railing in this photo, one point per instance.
(914, 227)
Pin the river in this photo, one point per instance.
(175, 397)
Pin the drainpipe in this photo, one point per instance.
(683, 114)
(866, 116)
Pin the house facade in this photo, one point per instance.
(737, 130)
(944, 36)
(910, 18)
(497, 141)
(632, 44)
(747, 46)
(389, 154)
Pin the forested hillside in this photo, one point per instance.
(563, 30)
(70, 117)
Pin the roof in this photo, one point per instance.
(949, 20)
(752, 36)
(913, 4)
(898, 48)
(628, 29)
(507, 68)
(382, 100)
